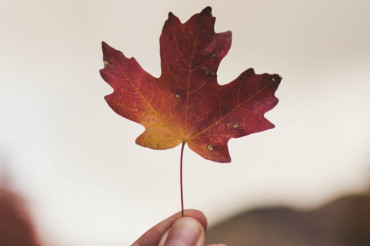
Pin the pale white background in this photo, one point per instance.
(75, 160)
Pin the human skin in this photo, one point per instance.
(177, 230)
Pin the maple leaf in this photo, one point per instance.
(186, 104)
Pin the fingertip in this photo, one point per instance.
(186, 231)
(154, 235)
(198, 215)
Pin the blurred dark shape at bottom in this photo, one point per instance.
(16, 227)
(343, 222)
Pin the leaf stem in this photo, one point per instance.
(181, 187)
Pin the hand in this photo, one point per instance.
(176, 230)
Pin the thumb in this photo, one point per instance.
(186, 231)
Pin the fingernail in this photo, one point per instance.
(185, 231)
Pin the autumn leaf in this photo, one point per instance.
(186, 104)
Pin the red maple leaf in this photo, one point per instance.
(186, 104)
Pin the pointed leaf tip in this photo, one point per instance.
(207, 11)
(104, 47)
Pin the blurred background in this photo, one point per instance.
(76, 164)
